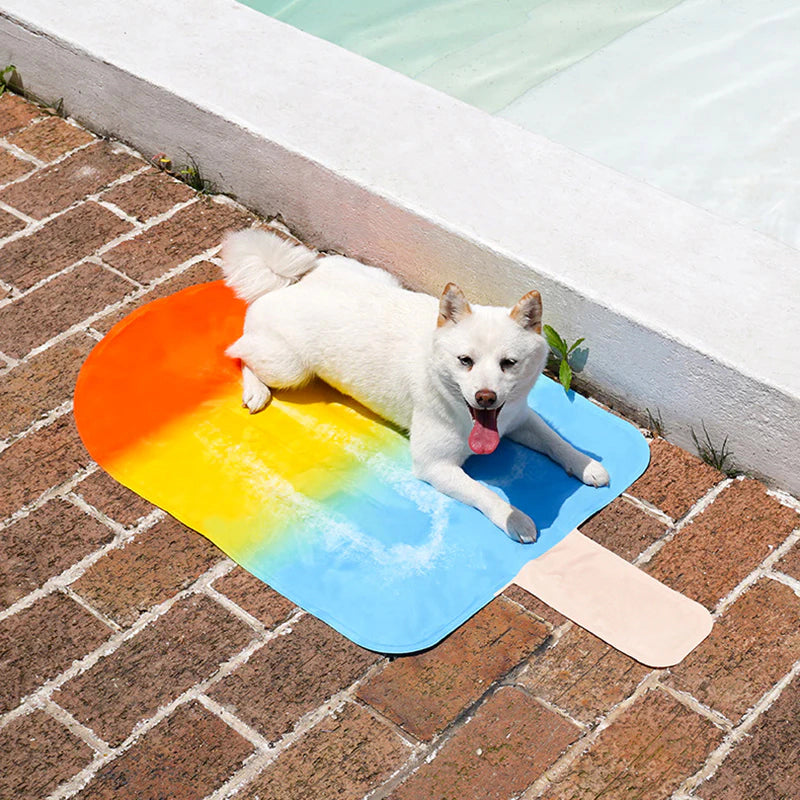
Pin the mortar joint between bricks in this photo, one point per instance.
(143, 227)
(83, 732)
(306, 723)
(689, 701)
(717, 757)
(649, 509)
(110, 646)
(764, 570)
(583, 743)
(264, 633)
(23, 155)
(48, 419)
(15, 212)
(429, 750)
(115, 209)
(417, 757)
(785, 499)
(584, 727)
(89, 607)
(106, 266)
(232, 721)
(698, 508)
(786, 580)
(138, 291)
(703, 502)
(59, 490)
(10, 362)
(63, 580)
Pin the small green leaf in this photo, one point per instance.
(565, 374)
(580, 341)
(554, 340)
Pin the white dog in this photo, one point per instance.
(457, 377)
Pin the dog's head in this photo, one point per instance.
(488, 356)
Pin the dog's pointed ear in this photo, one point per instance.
(528, 312)
(453, 306)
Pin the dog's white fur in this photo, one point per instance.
(414, 360)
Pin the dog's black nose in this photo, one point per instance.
(485, 397)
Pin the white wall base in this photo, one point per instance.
(685, 313)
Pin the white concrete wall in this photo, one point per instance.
(684, 313)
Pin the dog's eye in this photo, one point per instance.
(507, 363)
(466, 361)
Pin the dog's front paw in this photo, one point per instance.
(595, 474)
(521, 528)
(255, 396)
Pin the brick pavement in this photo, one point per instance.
(137, 661)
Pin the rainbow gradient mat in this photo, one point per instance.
(315, 495)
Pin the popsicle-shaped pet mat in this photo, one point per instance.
(315, 495)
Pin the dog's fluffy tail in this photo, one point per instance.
(257, 261)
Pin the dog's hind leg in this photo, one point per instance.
(267, 363)
(255, 394)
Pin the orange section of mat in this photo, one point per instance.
(192, 370)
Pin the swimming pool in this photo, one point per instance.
(698, 98)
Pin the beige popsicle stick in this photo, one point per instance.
(616, 601)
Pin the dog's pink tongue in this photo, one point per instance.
(484, 438)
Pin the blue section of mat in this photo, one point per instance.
(396, 566)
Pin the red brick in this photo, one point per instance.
(12, 167)
(38, 461)
(57, 187)
(790, 563)
(675, 480)
(70, 298)
(51, 138)
(766, 763)
(113, 499)
(15, 113)
(58, 244)
(184, 757)
(645, 753)
(255, 597)
(752, 645)
(202, 272)
(426, 692)
(40, 642)
(533, 604)
(149, 194)
(43, 383)
(156, 565)
(187, 233)
(292, 675)
(43, 545)
(509, 743)
(9, 224)
(624, 529)
(151, 669)
(343, 757)
(582, 675)
(724, 544)
(36, 755)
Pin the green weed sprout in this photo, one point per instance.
(5, 76)
(563, 352)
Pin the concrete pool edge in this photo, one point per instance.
(434, 191)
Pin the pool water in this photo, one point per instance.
(700, 98)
